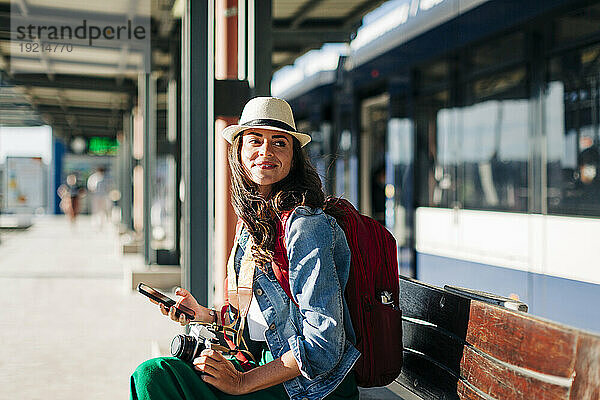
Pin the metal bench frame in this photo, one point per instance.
(465, 344)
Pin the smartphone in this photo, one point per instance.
(167, 301)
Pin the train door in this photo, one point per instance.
(386, 165)
(374, 116)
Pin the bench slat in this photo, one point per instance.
(522, 340)
(587, 368)
(426, 378)
(440, 345)
(466, 392)
(434, 305)
(501, 381)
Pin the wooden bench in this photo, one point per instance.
(461, 344)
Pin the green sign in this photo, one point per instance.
(103, 146)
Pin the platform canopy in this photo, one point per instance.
(299, 26)
(86, 92)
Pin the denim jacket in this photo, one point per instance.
(319, 330)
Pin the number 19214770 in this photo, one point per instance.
(45, 47)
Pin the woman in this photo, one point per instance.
(310, 338)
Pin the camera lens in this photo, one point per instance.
(184, 346)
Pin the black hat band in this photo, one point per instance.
(270, 122)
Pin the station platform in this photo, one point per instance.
(70, 326)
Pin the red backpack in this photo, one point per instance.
(372, 293)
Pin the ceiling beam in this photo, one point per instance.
(6, 106)
(299, 37)
(66, 131)
(81, 82)
(77, 111)
(302, 13)
(108, 64)
(90, 122)
(85, 128)
(24, 116)
(20, 123)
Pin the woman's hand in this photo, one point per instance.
(220, 372)
(186, 299)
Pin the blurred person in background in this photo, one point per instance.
(98, 187)
(588, 184)
(70, 193)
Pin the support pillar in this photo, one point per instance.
(226, 67)
(197, 79)
(58, 152)
(260, 47)
(126, 180)
(147, 88)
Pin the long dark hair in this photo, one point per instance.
(302, 186)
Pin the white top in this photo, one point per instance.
(256, 322)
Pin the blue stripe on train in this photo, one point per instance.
(562, 300)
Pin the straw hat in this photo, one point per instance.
(266, 113)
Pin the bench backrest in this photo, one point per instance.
(460, 347)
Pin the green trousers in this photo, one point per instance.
(170, 378)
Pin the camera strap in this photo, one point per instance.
(239, 288)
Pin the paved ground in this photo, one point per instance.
(69, 329)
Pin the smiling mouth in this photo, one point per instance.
(266, 165)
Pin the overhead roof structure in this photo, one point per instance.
(85, 93)
(79, 93)
(303, 25)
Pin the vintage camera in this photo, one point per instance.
(188, 347)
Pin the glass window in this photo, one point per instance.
(346, 169)
(475, 155)
(436, 165)
(373, 150)
(399, 208)
(435, 74)
(497, 52)
(577, 24)
(494, 144)
(573, 132)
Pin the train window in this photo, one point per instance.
(494, 146)
(505, 85)
(316, 149)
(436, 165)
(498, 52)
(475, 154)
(572, 127)
(374, 117)
(577, 25)
(434, 74)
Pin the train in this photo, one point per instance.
(471, 130)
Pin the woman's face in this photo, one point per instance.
(266, 157)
